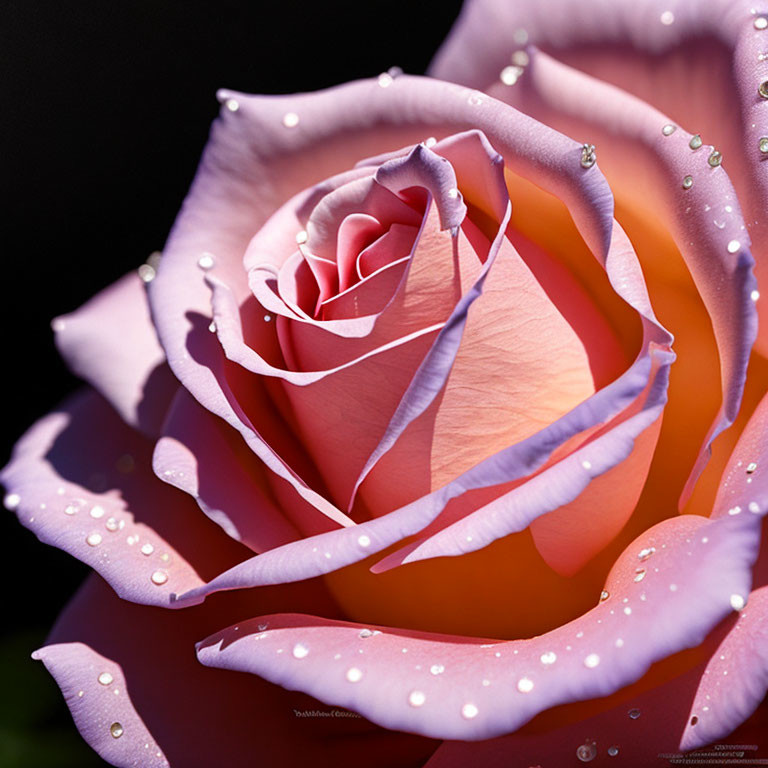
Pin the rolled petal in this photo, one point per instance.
(81, 480)
(111, 343)
(665, 593)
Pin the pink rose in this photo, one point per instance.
(429, 386)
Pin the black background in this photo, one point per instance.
(106, 107)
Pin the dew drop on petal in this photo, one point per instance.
(613, 751)
(639, 574)
(525, 685)
(695, 142)
(159, 577)
(715, 159)
(364, 541)
(668, 129)
(755, 295)
(116, 730)
(604, 595)
(416, 698)
(365, 633)
(591, 661)
(763, 145)
(645, 553)
(93, 540)
(687, 182)
(550, 657)
(111, 524)
(751, 467)
(437, 669)
(737, 602)
(354, 675)
(232, 105)
(469, 711)
(300, 651)
(97, 512)
(734, 510)
(147, 549)
(511, 74)
(754, 507)
(667, 18)
(206, 261)
(760, 23)
(762, 89)
(290, 119)
(105, 678)
(634, 714)
(733, 246)
(12, 501)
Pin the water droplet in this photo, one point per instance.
(301, 237)
(147, 549)
(146, 273)
(645, 553)
(755, 295)
(669, 129)
(93, 540)
(475, 99)
(627, 611)
(619, 643)
(673, 587)
(604, 595)
(437, 669)
(588, 156)
(634, 713)
(12, 501)
(354, 675)
(550, 657)
(761, 22)
(591, 661)
(754, 507)
(365, 633)
(206, 261)
(751, 467)
(416, 698)
(687, 182)
(111, 524)
(469, 711)
(385, 79)
(105, 678)
(300, 651)
(364, 541)
(737, 602)
(511, 74)
(586, 464)
(290, 119)
(639, 574)
(232, 105)
(734, 511)
(667, 18)
(525, 685)
(587, 752)
(97, 512)
(159, 577)
(715, 159)
(116, 730)
(613, 751)
(763, 145)
(733, 246)
(695, 142)
(520, 36)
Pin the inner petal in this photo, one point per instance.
(357, 232)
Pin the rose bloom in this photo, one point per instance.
(382, 461)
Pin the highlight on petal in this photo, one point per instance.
(95, 690)
(81, 481)
(111, 343)
(669, 588)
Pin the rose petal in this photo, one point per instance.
(680, 590)
(81, 481)
(150, 655)
(642, 163)
(736, 678)
(109, 723)
(111, 343)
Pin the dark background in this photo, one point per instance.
(106, 107)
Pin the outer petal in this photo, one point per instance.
(666, 592)
(644, 166)
(111, 343)
(81, 480)
(198, 718)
